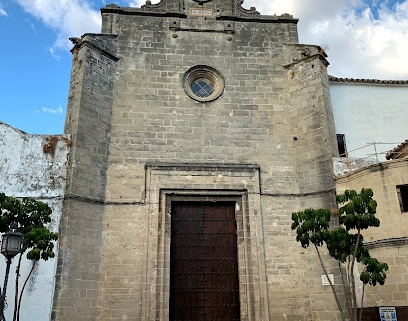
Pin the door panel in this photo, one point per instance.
(203, 262)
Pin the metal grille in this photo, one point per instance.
(203, 262)
(202, 87)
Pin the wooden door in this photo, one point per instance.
(203, 262)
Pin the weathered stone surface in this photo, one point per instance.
(34, 166)
(388, 242)
(140, 142)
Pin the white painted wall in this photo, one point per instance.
(368, 113)
(26, 170)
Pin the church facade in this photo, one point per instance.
(197, 128)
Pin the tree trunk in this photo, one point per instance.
(331, 284)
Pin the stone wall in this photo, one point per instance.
(140, 140)
(88, 121)
(388, 243)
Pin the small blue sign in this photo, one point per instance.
(388, 314)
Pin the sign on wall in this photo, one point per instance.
(201, 12)
(325, 280)
(388, 314)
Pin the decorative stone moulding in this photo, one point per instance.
(203, 83)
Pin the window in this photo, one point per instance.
(402, 192)
(202, 87)
(341, 144)
(203, 83)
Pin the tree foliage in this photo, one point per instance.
(312, 226)
(32, 217)
(358, 211)
(344, 243)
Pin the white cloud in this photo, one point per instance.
(367, 38)
(32, 26)
(69, 18)
(2, 10)
(58, 110)
(364, 41)
(130, 3)
(135, 3)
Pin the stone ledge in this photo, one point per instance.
(394, 242)
(203, 167)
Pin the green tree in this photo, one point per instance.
(344, 243)
(32, 217)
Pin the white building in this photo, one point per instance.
(33, 166)
(371, 114)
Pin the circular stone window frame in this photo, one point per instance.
(208, 73)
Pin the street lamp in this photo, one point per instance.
(10, 247)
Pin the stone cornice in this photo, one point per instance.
(390, 242)
(334, 79)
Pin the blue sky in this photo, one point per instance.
(363, 38)
(33, 86)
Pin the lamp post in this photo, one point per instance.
(10, 247)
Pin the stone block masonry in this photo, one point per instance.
(143, 137)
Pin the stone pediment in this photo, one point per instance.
(217, 9)
(220, 7)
